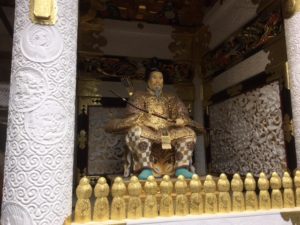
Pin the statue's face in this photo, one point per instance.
(156, 81)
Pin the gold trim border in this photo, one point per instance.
(40, 4)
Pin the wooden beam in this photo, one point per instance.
(6, 22)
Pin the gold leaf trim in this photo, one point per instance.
(43, 12)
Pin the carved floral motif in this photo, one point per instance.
(113, 67)
(28, 90)
(105, 150)
(247, 133)
(41, 43)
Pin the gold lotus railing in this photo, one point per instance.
(154, 198)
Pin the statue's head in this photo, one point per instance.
(155, 80)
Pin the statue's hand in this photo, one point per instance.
(180, 122)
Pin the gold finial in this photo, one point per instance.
(118, 208)
(264, 196)
(251, 201)
(250, 183)
(297, 179)
(238, 200)
(209, 184)
(134, 203)
(195, 184)
(181, 185)
(276, 196)
(224, 196)
(166, 202)
(210, 202)
(297, 185)
(83, 205)
(196, 200)
(275, 181)
(288, 193)
(166, 186)
(150, 209)
(101, 208)
(182, 204)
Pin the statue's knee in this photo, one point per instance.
(187, 143)
(178, 156)
(144, 145)
(190, 144)
(135, 129)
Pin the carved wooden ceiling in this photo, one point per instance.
(167, 12)
(184, 14)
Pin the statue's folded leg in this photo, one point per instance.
(140, 148)
(184, 148)
(143, 152)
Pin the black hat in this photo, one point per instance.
(149, 71)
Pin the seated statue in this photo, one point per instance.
(157, 117)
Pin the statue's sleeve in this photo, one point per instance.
(178, 109)
(137, 100)
(131, 117)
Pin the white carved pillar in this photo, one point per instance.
(292, 33)
(40, 136)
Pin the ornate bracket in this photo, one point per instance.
(43, 12)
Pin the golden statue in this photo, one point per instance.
(166, 202)
(224, 196)
(196, 200)
(250, 198)
(264, 199)
(276, 195)
(158, 120)
(134, 203)
(288, 193)
(118, 207)
(210, 201)
(83, 209)
(237, 187)
(297, 186)
(150, 208)
(182, 203)
(101, 209)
